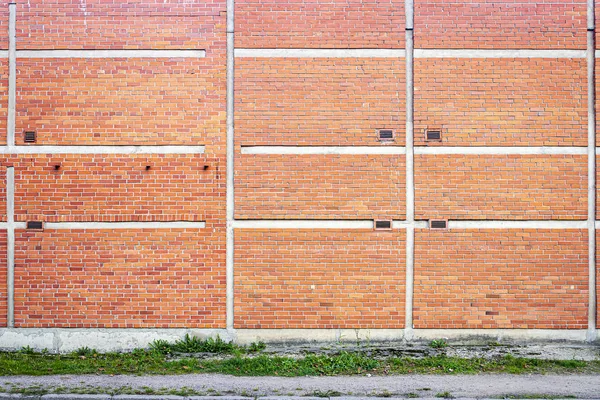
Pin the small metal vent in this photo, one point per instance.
(35, 225)
(383, 225)
(30, 137)
(386, 135)
(433, 135)
(438, 224)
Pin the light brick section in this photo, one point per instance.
(526, 24)
(320, 187)
(513, 187)
(535, 279)
(118, 188)
(319, 279)
(3, 279)
(145, 101)
(320, 24)
(319, 101)
(502, 102)
(164, 278)
(3, 208)
(114, 24)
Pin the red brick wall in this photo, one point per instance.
(320, 186)
(115, 24)
(319, 279)
(319, 101)
(3, 194)
(501, 279)
(4, 25)
(3, 98)
(3, 279)
(320, 24)
(159, 278)
(121, 101)
(119, 188)
(502, 102)
(501, 187)
(526, 24)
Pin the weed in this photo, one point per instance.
(326, 393)
(27, 350)
(412, 395)
(438, 344)
(257, 347)
(85, 352)
(444, 395)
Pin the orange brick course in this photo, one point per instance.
(159, 278)
(121, 101)
(116, 24)
(320, 187)
(319, 279)
(319, 101)
(119, 188)
(507, 24)
(534, 279)
(320, 24)
(501, 187)
(502, 102)
(3, 279)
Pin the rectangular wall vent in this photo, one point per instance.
(433, 135)
(438, 224)
(30, 137)
(383, 225)
(386, 135)
(35, 225)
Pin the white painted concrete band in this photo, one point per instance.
(321, 53)
(111, 53)
(517, 224)
(102, 150)
(125, 225)
(398, 224)
(495, 150)
(467, 53)
(4, 53)
(323, 150)
(302, 224)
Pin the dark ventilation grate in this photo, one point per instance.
(438, 224)
(386, 135)
(433, 135)
(383, 225)
(35, 225)
(30, 137)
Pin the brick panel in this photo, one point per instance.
(3, 194)
(502, 102)
(319, 101)
(81, 101)
(4, 18)
(116, 24)
(168, 278)
(319, 279)
(534, 279)
(3, 279)
(320, 186)
(523, 24)
(501, 187)
(119, 188)
(3, 98)
(320, 24)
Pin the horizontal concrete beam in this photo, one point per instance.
(575, 335)
(323, 150)
(102, 150)
(125, 225)
(111, 53)
(303, 224)
(453, 224)
(497, 150)
(321, 53)
(466, 53)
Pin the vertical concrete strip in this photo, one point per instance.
(10, 245)
(230, 161)
(410, 189)
(591, 169)
(12, 74)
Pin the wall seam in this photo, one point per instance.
(230, 196)
(10, 246)
(12, 75)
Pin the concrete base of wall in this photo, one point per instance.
(66, 340)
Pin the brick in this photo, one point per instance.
(153, 278)
(114, 24)
(319, 101)
(3, 98)
(119, 188)
(3, 194)
(510, 187)
(320, 186)
(502, 102)
(4, 18)
(158, 101)
(320, 24)
(496, 279)
(3, 279)
(506, 24)
(322, 279)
